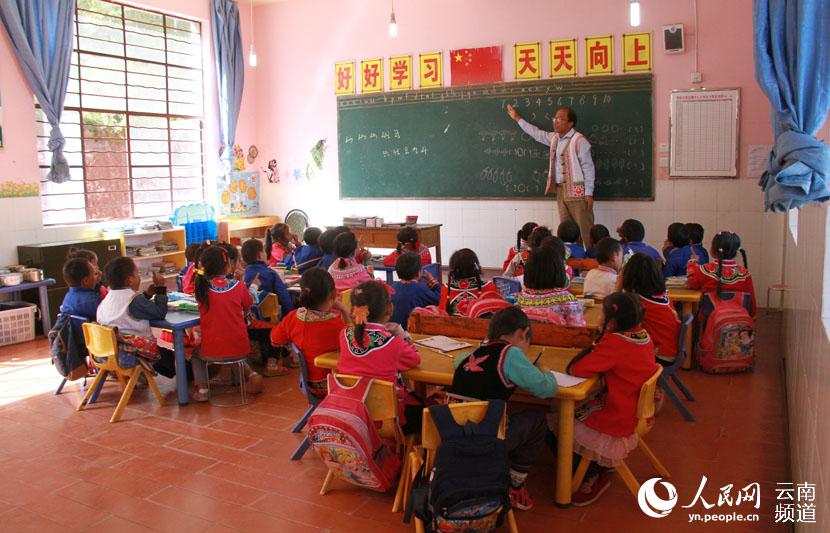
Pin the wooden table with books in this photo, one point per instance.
(437, 368)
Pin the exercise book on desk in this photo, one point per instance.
(566, 380)
(442, 343)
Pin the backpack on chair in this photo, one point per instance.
(727, 341)
(67, 347)
(468, 488)
(343, 434)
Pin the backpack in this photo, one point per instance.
(344, 436)
(727, 342)
(468, 488)
(67, 347)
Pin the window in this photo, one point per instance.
(132, 117)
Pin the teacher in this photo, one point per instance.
(571, 169)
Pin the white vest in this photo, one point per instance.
(573, 178)
(113, 312)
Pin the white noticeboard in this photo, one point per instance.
(703, 133)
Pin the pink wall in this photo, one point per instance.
(300, 42)
(21, 217)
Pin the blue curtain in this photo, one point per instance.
(230, 67)
(792, 66)
(41, 32)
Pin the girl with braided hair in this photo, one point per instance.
(722, 274)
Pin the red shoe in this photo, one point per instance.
(582, 498)
(520, 499)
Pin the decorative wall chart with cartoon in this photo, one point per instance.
(238, 193)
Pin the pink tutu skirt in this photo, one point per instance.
(607, 450)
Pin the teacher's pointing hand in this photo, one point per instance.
(513, 113)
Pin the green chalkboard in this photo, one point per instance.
(458, 142)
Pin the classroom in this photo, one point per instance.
(394, 265)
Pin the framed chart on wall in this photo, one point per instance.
(703, 133)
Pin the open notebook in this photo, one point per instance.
(442, 343)
(566, 380)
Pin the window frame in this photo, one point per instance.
(130, 114)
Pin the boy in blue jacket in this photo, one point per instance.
(308, 255)
(83, 297)
(409, 293)
(253, 253)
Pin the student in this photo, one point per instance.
(602, 281)
(493, 372)
(464, 284)
(723, 274)
(190, 252)
(308, 255)
(598, 232)
(568, 231)
(677, 236)
(222, 305)
(83, 298)
(253, 253)
(279, 243)
(315, 326)
(409, 293)
(545, 296)
(517, 264)
(641, 275)
(632, 234)
(346, 271)
(92, 257)
(562, 252)
(131, 312)
(370, 349)
(695, 232)
(677, 251)
(408, 241)
(327, 247)
(189, 279)
(625, 357)
(521, 242)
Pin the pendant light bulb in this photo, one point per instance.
(634, 12)
(252, 56)
(393, 26)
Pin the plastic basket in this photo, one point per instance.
(198, 222)
(17, 322)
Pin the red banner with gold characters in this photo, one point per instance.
(400, 73)
(527, 61)
(637, 52)
(344, 77)
(430, 70)
(371, 76)
(599, 55)
(563, 58)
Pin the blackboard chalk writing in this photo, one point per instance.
(498, 135)
(405, 151)
(447, 128)
(498, 175)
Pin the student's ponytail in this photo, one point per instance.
(370, 301)
(448, 306)
(519, 240)
(479, 283)
(743, 256)
(214, 261)
(269, 241)
(719, 255)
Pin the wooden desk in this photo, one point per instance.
(437, 369)
(387, 236)
(244, 228)
(689, 300)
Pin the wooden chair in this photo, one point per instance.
(645, 421)
(431, 439)
(382, 403)
(269, 308)
(346, 299)
(102, 344)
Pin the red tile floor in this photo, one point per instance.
(204, 468)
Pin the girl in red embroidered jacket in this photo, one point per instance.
(464, 284)
(641, 275)
(521, 243)
(723, 274)
(515, 267)
(223, 302)
(408, 241)
(625, 356)
(379, 349)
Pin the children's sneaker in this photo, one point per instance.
(520, 499)
(199, 395)
(274, 369)
(588, 494)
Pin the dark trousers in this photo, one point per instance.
(262, 336)
(594, 469)
(525, 438)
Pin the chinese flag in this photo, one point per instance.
(475, 65)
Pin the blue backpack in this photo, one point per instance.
(469, 485)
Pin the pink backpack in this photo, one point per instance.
(344, 436)
(727, 342)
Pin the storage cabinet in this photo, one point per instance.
(238, 230)
(145, 240)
